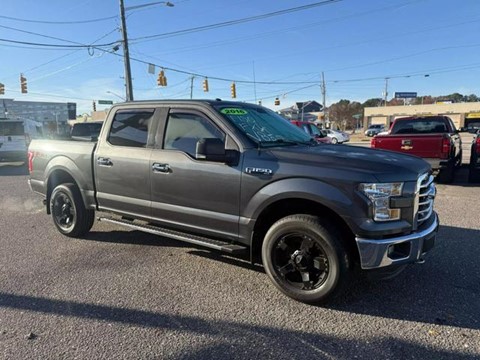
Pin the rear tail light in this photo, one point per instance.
(31, 155)
(446, 145)
(477, 145)
(373, 143)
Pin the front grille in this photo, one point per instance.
(425, 195)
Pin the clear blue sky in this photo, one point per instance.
(357, 44)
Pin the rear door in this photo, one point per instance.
(122, 162)
(202, 196)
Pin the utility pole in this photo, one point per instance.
(191, 87)
(385, 94)
(324, 94)
(126, 56)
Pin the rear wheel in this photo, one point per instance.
(68, 211)
(334, 140)
(305, 258)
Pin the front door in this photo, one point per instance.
(202, 196)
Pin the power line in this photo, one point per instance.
(76, 44)
(237, 21)
(58, 22)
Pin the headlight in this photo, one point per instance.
(380, 195)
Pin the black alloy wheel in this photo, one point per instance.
(300, 261)
(306, 258)
(63, 211)
(68, 211)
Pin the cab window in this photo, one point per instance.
(185, 129)
(130, 128)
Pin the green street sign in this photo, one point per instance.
(105, 102)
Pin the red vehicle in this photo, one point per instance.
(313, 131)
(474, 167)
(433, 138)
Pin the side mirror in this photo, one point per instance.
(211, 149)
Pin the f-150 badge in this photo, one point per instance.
(258, 171)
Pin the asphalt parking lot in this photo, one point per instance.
(122, 294)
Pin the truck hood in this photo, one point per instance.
(362, 163)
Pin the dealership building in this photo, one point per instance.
(52, 115)
(461, 113)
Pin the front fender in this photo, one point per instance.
(335, 198)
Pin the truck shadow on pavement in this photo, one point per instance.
(230, 339)
(444, 291)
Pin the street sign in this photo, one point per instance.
(105, 102)
(405, 95)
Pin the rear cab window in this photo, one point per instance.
(427, 125)
(131, 128)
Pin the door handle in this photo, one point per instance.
(104, 162)
(162, 168)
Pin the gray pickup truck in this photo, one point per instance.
(238, 178)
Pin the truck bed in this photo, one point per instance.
(73, 156)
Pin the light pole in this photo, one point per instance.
(126, 54)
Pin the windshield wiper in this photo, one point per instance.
(285, 142)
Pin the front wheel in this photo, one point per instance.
(334, 140)
(305, 258)
(68, 211)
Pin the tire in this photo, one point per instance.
(68, 211)
(306, 259)
(334, 140)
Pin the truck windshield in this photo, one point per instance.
(263, 126)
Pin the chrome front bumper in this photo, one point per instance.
(398, 250)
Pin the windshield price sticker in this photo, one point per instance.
(233, 111)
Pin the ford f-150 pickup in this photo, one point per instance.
(237, 177)
(433, 138)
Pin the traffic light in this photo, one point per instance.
(205, 85)
(277, 101)
(94, 105)
(233, 91)
(2, 89)
(23, 84)
(161, 80)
